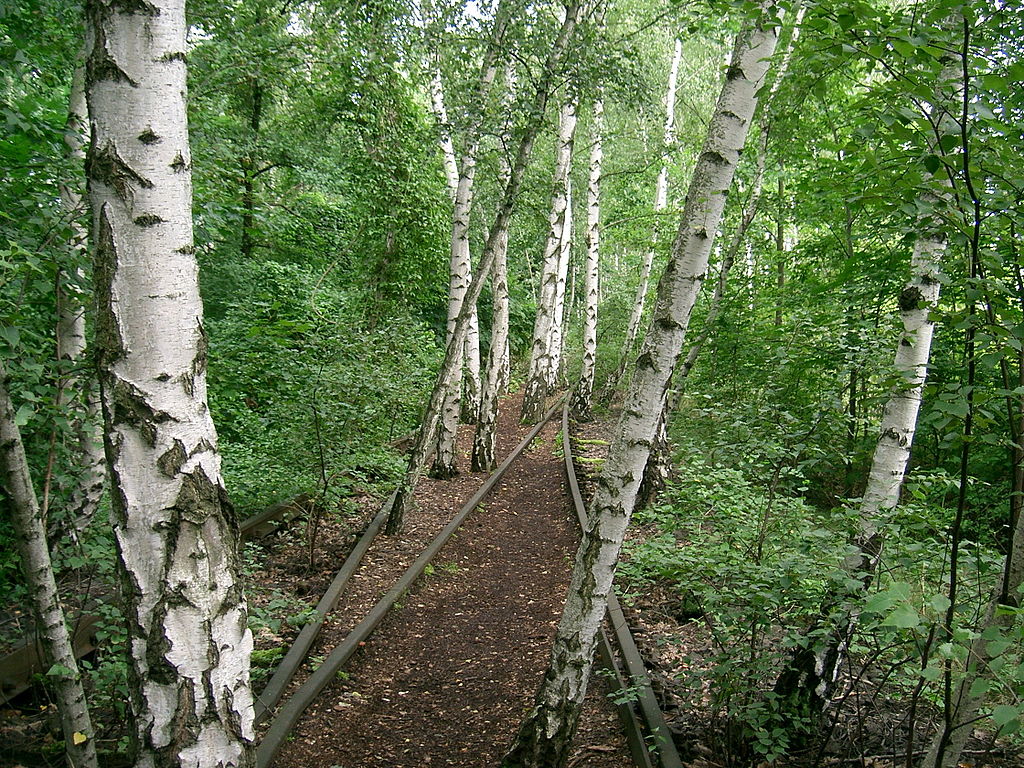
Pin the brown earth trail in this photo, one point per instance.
(446, 679)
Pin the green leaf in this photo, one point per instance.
(940, 603)
(932, 163)
(1003, 714)
(24, 415)
(903, 617)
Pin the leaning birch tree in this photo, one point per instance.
(542, 371)
(30, 532)
(71, 334)
(499, 229)
(545, 737)
(176, 534)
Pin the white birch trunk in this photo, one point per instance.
(545, 737)
(584, 392)
(460, 273)
(498, 230)
(811, 674)
(496, 379)
(176, 533)
(444, 134)
(542, 372)
(71, 343)
(471, 375)
(557, 331)
(660, 201)
(30, 534)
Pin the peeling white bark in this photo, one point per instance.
(30, 534)
(584, 392)
(545, 736)
(542, 371)
(176, 533)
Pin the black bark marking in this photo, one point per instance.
(148, 137)
(109, 343)
(714, 156)
(101, 65)
(199, 497)
(734, 72)
(910, 298)
(129, 406)
(148, 220)
(178, 164)
(171, 461)
(186, 250)
(174, 56)
(106, 166)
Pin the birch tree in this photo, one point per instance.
(811, 674)
(30, 533)
(584, 392)
(175, 531)
(460, 266)
(546, 735)
(660, 201)
(499, 229)
(542, 372)
(71, 336)
(656, 472)
(495, 380)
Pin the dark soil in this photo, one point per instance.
(446, 679)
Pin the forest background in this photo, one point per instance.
(323, 220)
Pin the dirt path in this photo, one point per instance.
(447, 677)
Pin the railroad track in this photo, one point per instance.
(647, 734)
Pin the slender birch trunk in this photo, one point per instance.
(499, 229)
(460, 266)
(557, 339)
(809, 679)
(545, 737)
(541, 372)
(660, 201)
(583, 395)
(176, 533)
(496, 379)
(444, 134)
(30, 533)
(71, 344)
(659, 464)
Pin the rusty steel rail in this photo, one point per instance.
(275, 687)
(654, 719)
(290, 712)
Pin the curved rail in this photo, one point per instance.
(292, 709)
(657, 728)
